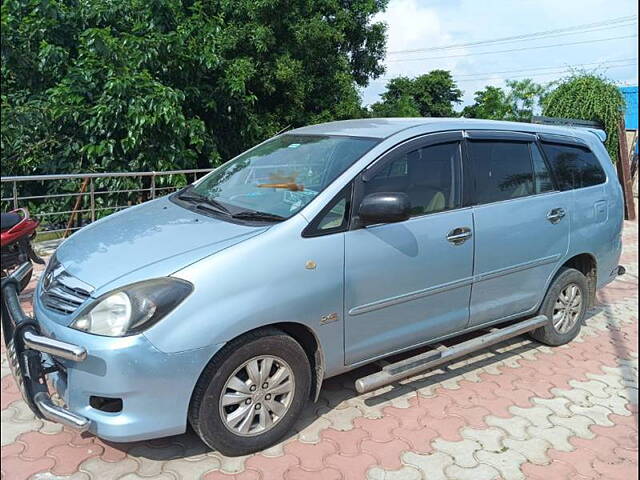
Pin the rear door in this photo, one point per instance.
(521, 224)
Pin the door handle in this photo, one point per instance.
(458, 236)
(555, 215)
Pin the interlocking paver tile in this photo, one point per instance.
(352, 467)
(517, 410)
(380, 430)
(17, 468)
(311, 456)
(533, 449)
(558, 437)
(491, 439)
(480, 472)
(507, 462)
(578, 424)
(461, 452)
(432, 465)
(404, 473)
(387, 454)
(99, 469)
(516, 427)
(347, 443)
(538, 416)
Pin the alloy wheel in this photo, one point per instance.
(568, 308)
(257, 395)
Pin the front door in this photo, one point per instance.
(521, 224)
(410, 282)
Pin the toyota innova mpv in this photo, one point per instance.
(226, 304)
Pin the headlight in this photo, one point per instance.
(133, 308)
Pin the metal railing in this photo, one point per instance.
(92, 199)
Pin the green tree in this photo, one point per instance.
(429, 95)
(524, 98)
(588, 96)
(489, 103)
(108, 85)
(521, 100)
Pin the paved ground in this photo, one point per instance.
(517, 411)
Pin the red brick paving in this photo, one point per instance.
(445, 408)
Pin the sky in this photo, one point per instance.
(610, 49)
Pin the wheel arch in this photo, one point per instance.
(307, 339)
(587, 264)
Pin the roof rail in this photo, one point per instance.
(565, 122)
(594, 127)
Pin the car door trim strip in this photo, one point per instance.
(517, 268)
(380, 304)
(407, 297)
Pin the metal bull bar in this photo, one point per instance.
(25, 346)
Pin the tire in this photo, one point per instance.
(263, 425)
(561, 330)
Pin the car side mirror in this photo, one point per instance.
(384, 207)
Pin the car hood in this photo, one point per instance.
(154, 239)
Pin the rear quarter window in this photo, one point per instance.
(573, 166)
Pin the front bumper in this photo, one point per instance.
(154, 387)
(24, 349)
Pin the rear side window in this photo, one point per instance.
(501, 170)
(573, 166)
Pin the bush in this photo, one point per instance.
(589, 97)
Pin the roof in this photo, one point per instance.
(386, 127)
(631, 112)
(365, 127)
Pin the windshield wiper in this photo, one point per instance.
(204, 203)
(255, 215)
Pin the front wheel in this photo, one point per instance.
(251, 393)
(565, 305)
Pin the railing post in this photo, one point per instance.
(153, 185)
(15, 194)
(92, 196)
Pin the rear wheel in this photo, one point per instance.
(251, 393)
(565, 306)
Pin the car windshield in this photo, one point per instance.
(282, 175)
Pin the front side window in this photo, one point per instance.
(501, 170)
(573, 166)
(283, 175)
(426, 175)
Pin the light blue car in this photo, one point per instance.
(226, 304)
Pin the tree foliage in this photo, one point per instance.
(588, 96)
(429, 95)
(521, 100)
(110, 85)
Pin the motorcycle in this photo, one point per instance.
(17, 230)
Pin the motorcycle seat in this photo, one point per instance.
(8, 220)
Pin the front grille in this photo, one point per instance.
(62, 292)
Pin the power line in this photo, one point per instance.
(558, 72)
(604, 63)
(514, 49)
(611, 23)
(545, 37)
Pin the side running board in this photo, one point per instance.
(425, 361)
